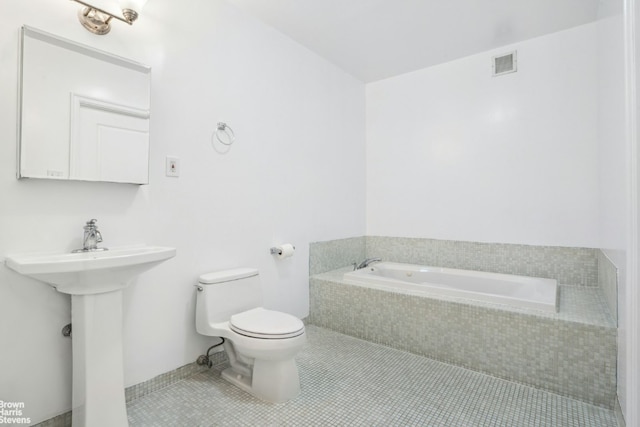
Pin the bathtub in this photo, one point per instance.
(516, 291)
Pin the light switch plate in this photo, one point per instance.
(173, 166)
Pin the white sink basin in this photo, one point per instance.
(89, 272)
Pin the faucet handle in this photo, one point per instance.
(91, 225)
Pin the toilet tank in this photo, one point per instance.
(227, 292)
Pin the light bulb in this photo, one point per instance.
(135, 5)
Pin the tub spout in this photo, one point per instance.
(367, 262)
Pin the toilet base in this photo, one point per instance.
(241, 381)
(274, 381)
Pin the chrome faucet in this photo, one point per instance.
(91, 238)
(367, 262)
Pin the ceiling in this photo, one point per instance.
(376, 39)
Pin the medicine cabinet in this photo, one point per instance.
(84, 113)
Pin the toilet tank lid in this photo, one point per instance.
(227, 275)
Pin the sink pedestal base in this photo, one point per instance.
(98, 374)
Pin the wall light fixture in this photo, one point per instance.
(98, 21)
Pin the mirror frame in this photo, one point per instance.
(92, 53)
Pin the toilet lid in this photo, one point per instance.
(268, 324)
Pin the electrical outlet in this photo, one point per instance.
(173, 166)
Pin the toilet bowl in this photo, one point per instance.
(261, 344)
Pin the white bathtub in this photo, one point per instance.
(517, 291)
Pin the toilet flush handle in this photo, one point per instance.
(199, 288)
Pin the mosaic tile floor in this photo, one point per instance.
(350, 382)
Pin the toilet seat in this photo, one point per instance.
(266, 324)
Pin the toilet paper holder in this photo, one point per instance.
(277, 251)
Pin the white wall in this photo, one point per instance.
(454, 153)
(295, 174)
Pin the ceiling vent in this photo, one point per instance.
(505, 64)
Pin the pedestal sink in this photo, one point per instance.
(95, 281)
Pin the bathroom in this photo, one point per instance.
(319, 155)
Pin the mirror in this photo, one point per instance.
(84, 113)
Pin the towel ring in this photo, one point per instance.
(226, 129)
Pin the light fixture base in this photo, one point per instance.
(94, 21)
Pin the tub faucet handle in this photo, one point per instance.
(367, 262)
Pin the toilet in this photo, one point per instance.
(261, 344)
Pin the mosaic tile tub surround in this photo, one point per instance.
(333, 254)
(572, 353)
(559, 352)
(608, 282)
(569, 266)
